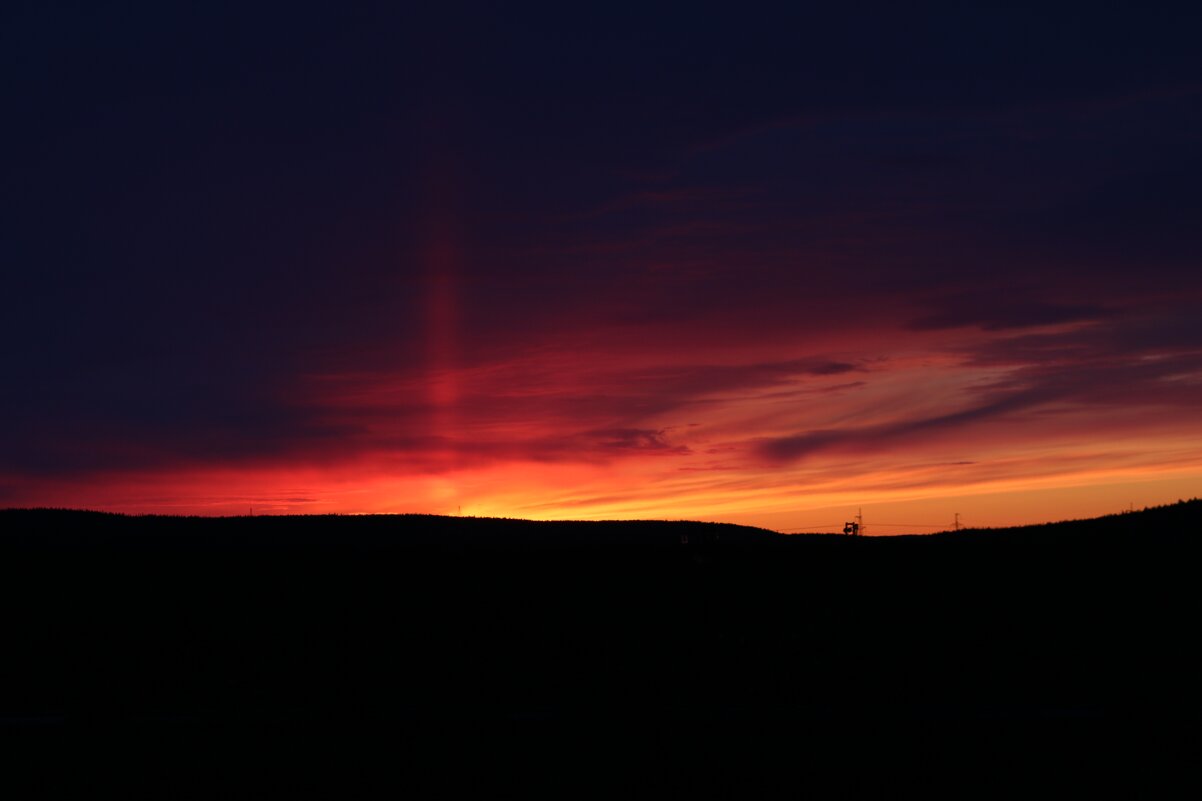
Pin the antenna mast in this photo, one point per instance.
(855, 527)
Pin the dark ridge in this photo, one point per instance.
(1169, 520)
(392, 633)
(77, 528)
(84, 527)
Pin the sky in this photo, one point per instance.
(765, 264)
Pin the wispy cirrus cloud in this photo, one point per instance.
(1125, 369)
(413, 264)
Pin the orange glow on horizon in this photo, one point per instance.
(791, 444)
(926, 498)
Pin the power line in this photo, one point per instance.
(812, 525)
(889, 525)
(955, 526)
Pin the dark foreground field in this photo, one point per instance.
(573, 658)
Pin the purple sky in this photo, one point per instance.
(748, 264)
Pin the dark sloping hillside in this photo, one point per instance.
(373, 627)
(1177, 523)
(70, 528)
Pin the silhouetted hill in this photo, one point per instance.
(412, 630)
(36, 527)
(72, 528)
(1173, 521)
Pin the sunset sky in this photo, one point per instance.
(766, 265)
